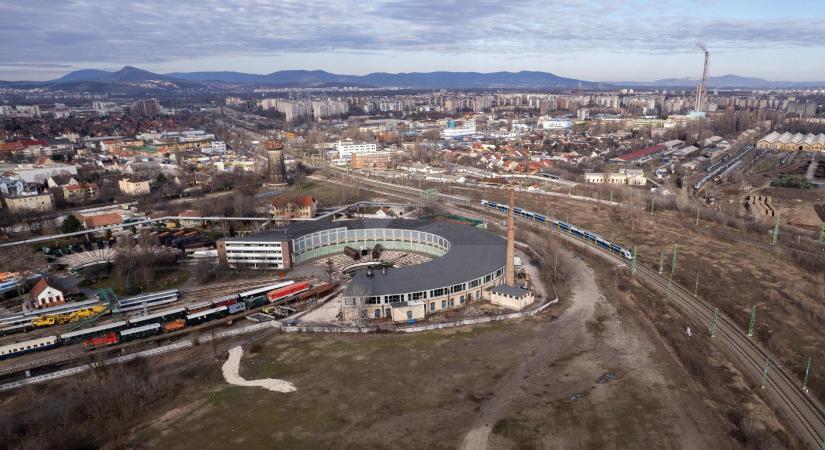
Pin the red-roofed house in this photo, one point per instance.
(44, 295)
(285, 207)
(640, 155)
(102, 220)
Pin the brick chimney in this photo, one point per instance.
(509, 270)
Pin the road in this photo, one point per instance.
(783, 391)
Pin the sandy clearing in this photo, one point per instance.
(231, 373)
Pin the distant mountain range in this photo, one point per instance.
(129, 77)
(428, 80)
(723, 81)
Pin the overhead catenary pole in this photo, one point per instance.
(775, 234)
(714, 322)
(661, 262)
(673, 262)
(696, 289)
(807, 371)
(752, 321)
(765, 372)
(652, 205)
(697, 216)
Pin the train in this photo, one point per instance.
(72, 312)
(562, 226)
(168, 320)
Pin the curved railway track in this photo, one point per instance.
(784, 391)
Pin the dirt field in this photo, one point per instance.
(732, 274)
(537, 382)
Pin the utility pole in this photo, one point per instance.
(807, 371)
(633, 267)
(697, 217)
(652, 205)
(752, 322)
(714, 322)
(775, 234)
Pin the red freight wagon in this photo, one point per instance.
(277, 294)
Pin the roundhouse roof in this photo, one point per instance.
(473, 253)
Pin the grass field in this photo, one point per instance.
(167, 279)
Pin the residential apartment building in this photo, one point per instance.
(30, 202)
(134, 188)
(372, 160)
(348, 147)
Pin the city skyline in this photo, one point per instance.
(594, 41)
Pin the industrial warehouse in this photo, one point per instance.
(466, 263)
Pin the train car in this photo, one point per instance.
(352, 253)
(198, 307)
(263, 290)
(236, 308)
(149, 300)
(377, 250)
(18, 328)
(79, 335)
(20, 348)
(226, 301)
(316, 291)
(255, 302)
(286, 291)
(140, 332)
(100, 341)
(177, 324)
(205, 316)
(158, 317)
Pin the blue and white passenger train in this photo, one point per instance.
(563, 226)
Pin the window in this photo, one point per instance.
(478, 295)
(409, 315)
(432, 306)
(461, 300)
(452, 302)
(475, 282)
(443, 304)
(377, 313)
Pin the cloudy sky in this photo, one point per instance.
(600, 40)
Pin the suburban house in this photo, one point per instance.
(44, 295)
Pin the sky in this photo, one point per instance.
(596, 40)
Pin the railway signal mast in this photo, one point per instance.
(700, 105)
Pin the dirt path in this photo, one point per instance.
(557, 383)
(231, 373)
(567, 332)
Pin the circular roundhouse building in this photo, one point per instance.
(465, 262)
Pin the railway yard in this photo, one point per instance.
(758, 376)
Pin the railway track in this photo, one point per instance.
(783, 391)
(188, 297)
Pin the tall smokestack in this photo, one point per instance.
(509, 269)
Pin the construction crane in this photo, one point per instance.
(700, 106)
